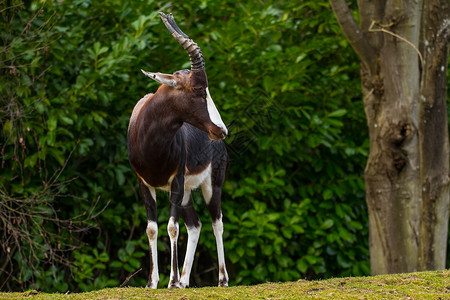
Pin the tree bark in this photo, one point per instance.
(406, 174)
(434, 144)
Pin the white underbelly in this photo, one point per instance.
(194, 181)
(191, 182)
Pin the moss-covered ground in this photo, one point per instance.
(421, 285)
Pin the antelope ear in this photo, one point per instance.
(162, 78)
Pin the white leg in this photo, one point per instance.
(193, 226)
(218, 232)
(207, 190)
(212, 199)
(152, 233)
(193, 235)
(173, 230)
(149, 196)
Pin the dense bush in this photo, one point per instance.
(286, 83)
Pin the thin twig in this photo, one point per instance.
(11, 7)
(370, 93)
(382, 29)
(129, 277)
(56, 175)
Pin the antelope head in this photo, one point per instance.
(188, 89)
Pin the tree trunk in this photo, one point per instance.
(434, 145)
(405, 103)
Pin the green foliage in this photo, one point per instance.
(87, 266)
(283, 78)
(296, 146)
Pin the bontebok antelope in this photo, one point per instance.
(175, 144)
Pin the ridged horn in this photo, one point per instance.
(194, 51)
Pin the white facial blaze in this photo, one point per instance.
(214, 113)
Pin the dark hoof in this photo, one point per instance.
(174, 285)
(151, 285)
(223, 283)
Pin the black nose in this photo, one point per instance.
(224, 133)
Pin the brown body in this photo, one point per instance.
(158, 143)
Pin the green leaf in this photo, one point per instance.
(52, 123)
(337, 113)
(120, 177)
(134, 262)
(130, 248)
(302, 266)
(116, 264)
(122, 254)
(240, 251)
(327, 224)
(327, 194)
(344, 234)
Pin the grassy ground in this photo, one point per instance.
(423, 285)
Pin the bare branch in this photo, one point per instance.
(129, 277)
(354, 34)
(383, 29)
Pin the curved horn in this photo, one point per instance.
(194, 51)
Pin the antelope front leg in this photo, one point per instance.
(176, 198)
(152, 233)
(173, 230)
